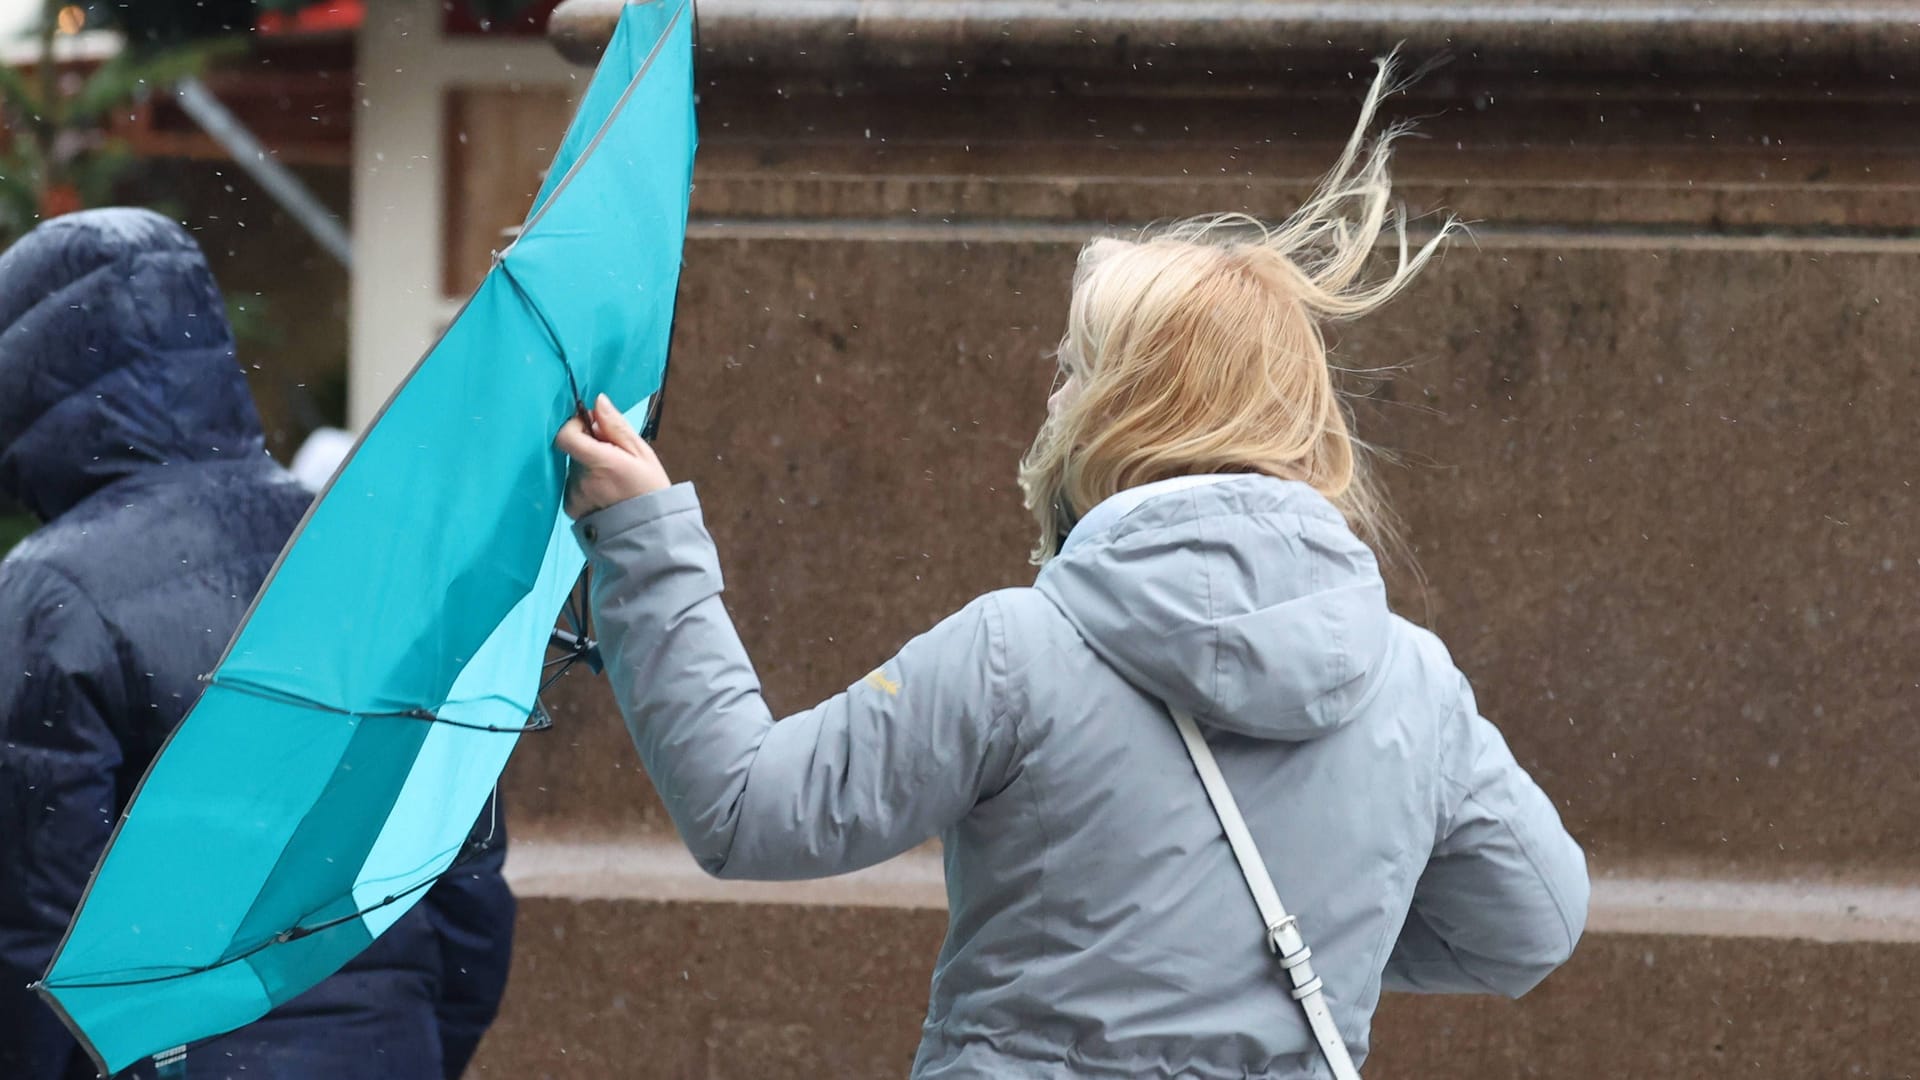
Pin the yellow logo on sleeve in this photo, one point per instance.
(877, 678)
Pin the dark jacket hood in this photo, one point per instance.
(115, 357)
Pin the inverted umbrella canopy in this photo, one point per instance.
(362, 714)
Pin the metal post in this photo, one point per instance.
(247, 152)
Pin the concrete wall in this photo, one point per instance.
(1655, 424)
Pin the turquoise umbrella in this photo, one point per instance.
(361, 716)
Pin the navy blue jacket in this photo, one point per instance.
(126, 425)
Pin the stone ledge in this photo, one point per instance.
(1642, 38)
(606, 988)
(1669, 900)
(659, 868)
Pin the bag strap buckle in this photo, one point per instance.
(1277, 936)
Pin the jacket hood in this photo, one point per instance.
(115, 356)
(1243, 600)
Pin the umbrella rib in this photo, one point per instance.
(500, 259)
(553, 335)
(295, 933)
(538, 722)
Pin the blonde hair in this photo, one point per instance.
(1198, 348)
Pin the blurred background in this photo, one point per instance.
(1653, 426)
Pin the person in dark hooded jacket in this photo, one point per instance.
(126, 427)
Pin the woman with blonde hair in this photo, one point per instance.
(1201, 707)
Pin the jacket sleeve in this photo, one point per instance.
(60, 688)
(1503, 898)
(472, 910)
(857, 779)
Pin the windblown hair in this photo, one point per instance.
(1198, 348)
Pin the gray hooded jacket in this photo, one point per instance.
(1098, 925)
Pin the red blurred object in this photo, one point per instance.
(60, 199)
(458, 20)
(323, 16)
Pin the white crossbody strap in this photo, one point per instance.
(1283, 930)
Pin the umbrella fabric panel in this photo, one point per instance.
(601, 264)
(313, 881)
(255, 756)
(284, 795)
(434, 529)
(251, 766)
(455, 763)
(128, 1028)
(325, 779)
(244, 769)
(642, 27)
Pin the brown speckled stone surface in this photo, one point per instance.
(1752, 37)
(1668, 530)
(1657, 443)
(730, 992)
(1656, 492)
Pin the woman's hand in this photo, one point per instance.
(611, 462)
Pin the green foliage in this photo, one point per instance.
(134, 74)
(252, 322)
(14, 86)
(58, 156)
(94, 174)
(13, 529)
(19, 201)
